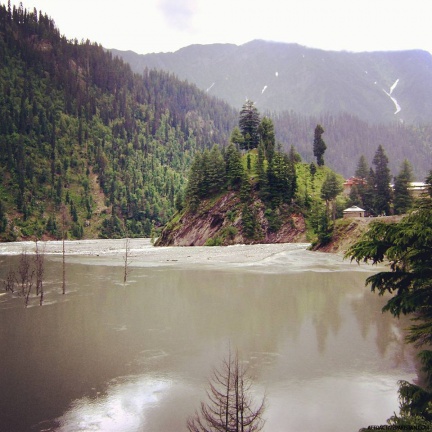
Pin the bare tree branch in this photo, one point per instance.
(230, 406)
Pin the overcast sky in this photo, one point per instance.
(146, 26)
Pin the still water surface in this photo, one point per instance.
(124, 358)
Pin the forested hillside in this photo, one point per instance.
(86, 145)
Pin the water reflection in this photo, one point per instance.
(109, 356)
(122, 408)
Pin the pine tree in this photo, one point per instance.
(204, 184)
(260, 170)
(360, 188)
(294, 155)
(3, 220)
(368, 196)
(193, 185)
(319, 146)
(237, 137)
(382, 187)
(362, 169)
(234, 167)
(249, 122)
(216, 170)
(281, 177)
(267, 135)
(403, 199)
(330, 189)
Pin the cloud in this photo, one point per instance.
(178, 13)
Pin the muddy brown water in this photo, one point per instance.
(108, 356)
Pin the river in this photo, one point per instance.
(109, 356)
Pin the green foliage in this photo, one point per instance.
(234, 167)
(3, 220)
(362, 170)
(415, 407)
(237, 138)
(245, 190)
(261, 171)
(268, 138)
(231, 215)
(351, 138)
(273, 219)
(281, 180)
(331, 187)
(217, 241)
(403, 199)
(407, 247)
(294, 155)
(319, 146)
(381, 182)
(249, 122)
(251, 228)
(230, 232)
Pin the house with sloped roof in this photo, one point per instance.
(353, 211)
(352, 181)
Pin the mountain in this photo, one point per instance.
(353, 95)
(374, 86)
(87, 146)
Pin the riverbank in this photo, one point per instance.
(349, 231)
(143, 248)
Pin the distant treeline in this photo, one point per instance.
(348, 138)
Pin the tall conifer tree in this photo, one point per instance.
(382, 179)
(319, 146)
(402, 197)
(249, 122)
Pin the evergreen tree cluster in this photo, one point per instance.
(79, 128)
(272, 175)
(351, 137)
(373, 189)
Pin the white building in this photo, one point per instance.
(353, 211)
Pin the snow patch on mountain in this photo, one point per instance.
(389, 94)
(264, 89)
(394, 86)
(210, 87)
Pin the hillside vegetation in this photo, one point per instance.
(254, 192)
(87, 146)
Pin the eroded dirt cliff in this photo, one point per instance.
(220, 221)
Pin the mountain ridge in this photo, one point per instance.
(280, 76)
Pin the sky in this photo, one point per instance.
(147, 26)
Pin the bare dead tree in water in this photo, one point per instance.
(25, 272)
(28, 272)
(126, 259)
(230, 406)
(10, 281)
(64, 224)
(40, 270)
